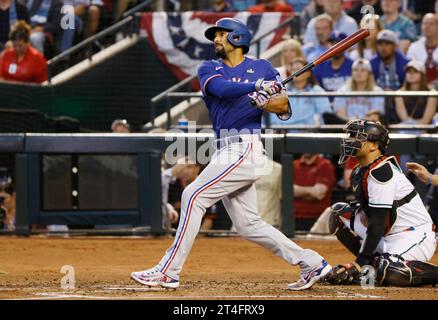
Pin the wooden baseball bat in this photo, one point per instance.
(331, 52)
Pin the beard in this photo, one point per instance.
(220, 52)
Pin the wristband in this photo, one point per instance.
(429, 182)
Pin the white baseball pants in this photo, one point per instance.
(417, 243)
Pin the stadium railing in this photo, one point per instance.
(129, 25)
(168, 96)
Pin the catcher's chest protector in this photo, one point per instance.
(359, 182)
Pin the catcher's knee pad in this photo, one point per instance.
(344, 234)
(342, 210)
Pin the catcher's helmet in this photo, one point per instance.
(359, 131)
(238, 36)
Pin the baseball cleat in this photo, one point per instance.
(153, 278)
(308, 279)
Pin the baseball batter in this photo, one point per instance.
(237, 90)
(388, 227)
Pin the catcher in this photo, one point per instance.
(388, 226)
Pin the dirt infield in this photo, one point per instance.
(218, 268)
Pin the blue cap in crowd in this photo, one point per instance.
(337, 36)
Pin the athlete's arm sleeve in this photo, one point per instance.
(213, 83)
(375, 231)
(381, 197)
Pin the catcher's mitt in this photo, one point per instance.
(343, 274)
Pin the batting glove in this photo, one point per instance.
(270, 87)
(260, 99)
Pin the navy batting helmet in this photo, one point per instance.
(238, 32)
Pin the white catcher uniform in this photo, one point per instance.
(410, 231)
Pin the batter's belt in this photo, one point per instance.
(220, 143)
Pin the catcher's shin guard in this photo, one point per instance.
(349, 239)
(393, 270)
(423, 273)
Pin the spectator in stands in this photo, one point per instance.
(367, 48)
(298, 5)
(22, 62)
(291, 49)
(10, 12)
(170, 214)
(45, 20)
(306, 110)
(389, 63)
(221, 6)
(271, 6)
(269, 195)
(417, 9)
(335, 73)
(422, 173)
(314, 179)
(431, 179)
(395, 21)
(86, 12)
(341, 21)
(8, 203)
(184, 172)
(323, 29)
(313, 9)
(415, 110)
(425, 49)
(356, 11)
(242, 5)
(376, 116)
(120, 126)
(122, 5)
(362, 79)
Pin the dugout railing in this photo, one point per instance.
(30, 150)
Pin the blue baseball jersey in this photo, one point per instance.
(234, 113)
(331, 79)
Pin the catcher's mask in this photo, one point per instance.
(358, 132)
